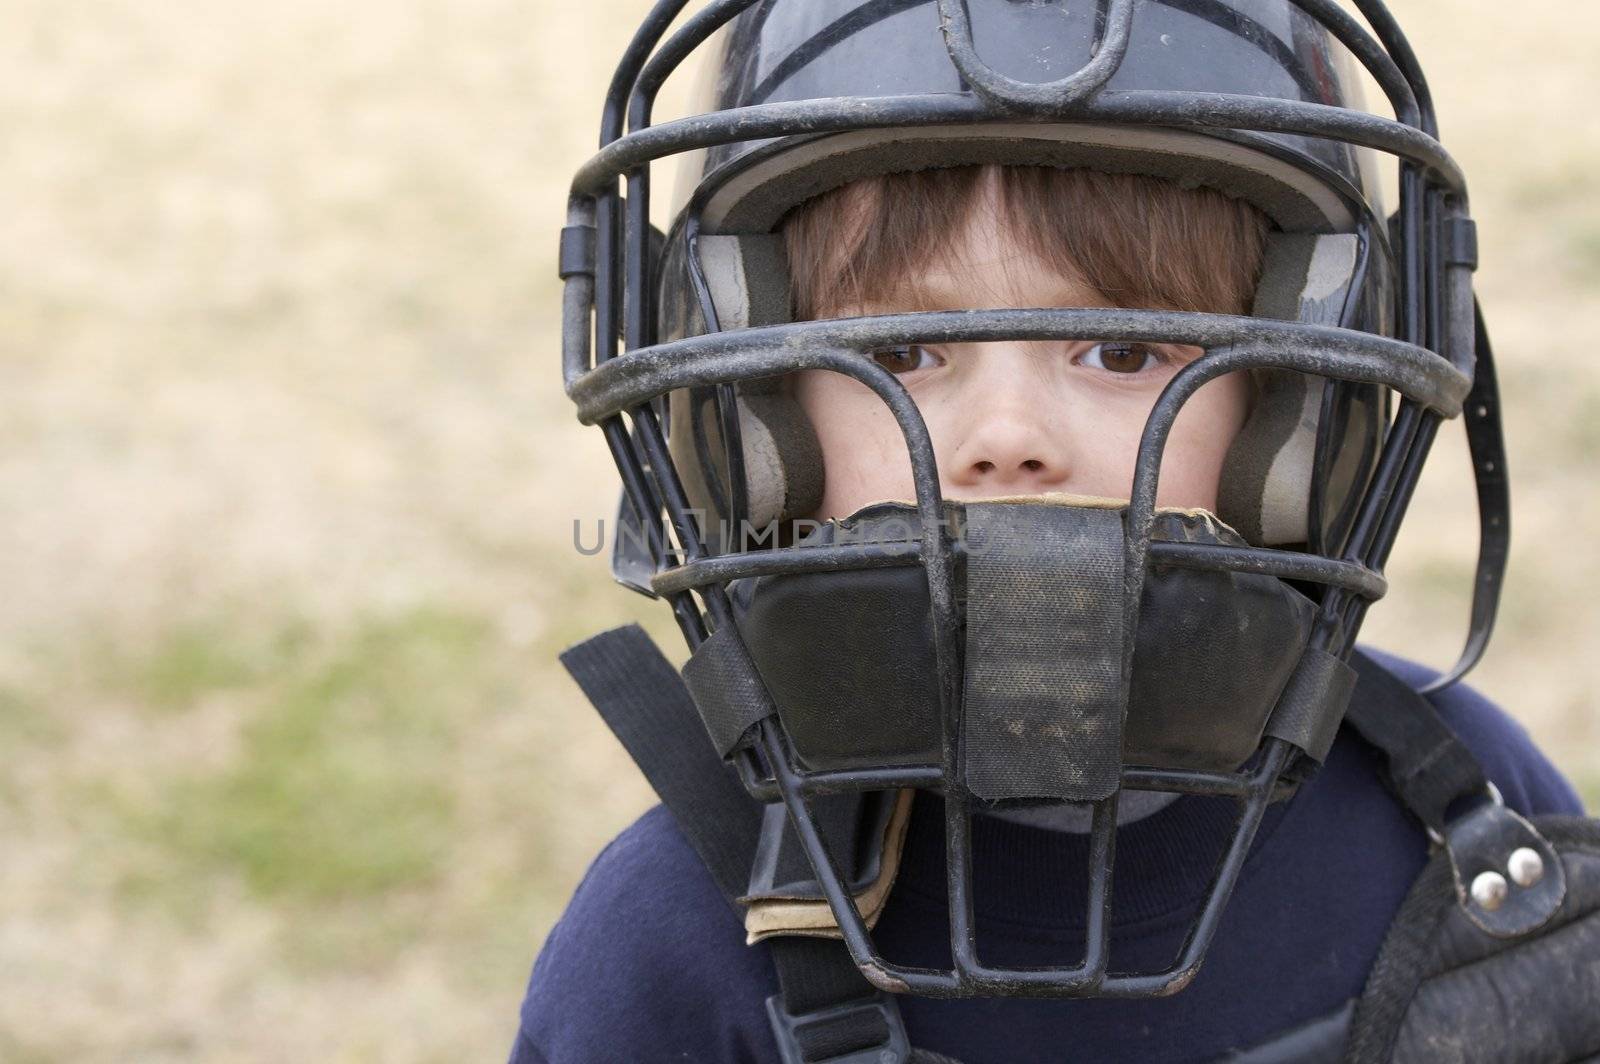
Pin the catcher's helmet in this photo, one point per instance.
(1043, 652)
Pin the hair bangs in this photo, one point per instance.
(1141, 242)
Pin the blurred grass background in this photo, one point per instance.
(287, 491)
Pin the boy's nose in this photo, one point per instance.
(1007, 460)
(1008, 444)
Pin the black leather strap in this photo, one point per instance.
(1487, 446)
(1429, 769)
(1440, 781)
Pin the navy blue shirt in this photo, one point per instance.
(649, 962)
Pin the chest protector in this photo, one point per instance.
(1493, 958)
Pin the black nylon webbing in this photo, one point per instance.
(1429, 768)
(643, 700)
(1314, 702)
(726, 687)
(816, 974)
(1043, 700)
(645, 703)
(827, 1040)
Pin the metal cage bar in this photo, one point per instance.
(1252, 790)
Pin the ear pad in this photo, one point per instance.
(1269, 470)
(782, 458)
(1266, 477)
(747, 279)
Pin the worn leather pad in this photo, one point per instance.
(848, 658)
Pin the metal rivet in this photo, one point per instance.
(1526, 866)
(1489, 890)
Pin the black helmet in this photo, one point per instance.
(1042, 652)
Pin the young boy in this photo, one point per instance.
(649, 963)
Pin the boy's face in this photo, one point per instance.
(1020, 417)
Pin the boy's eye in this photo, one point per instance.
(1119, 357)
(905, 359)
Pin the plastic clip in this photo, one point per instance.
(577, 255)
(866, 1031)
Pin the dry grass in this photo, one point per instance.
(288, 484)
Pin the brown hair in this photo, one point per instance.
(1140, 242)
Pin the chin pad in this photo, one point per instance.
(848, 656)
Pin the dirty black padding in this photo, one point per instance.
(1194, 626)
(1443, 990)
(848, 657)
(1044, 694)
(859, 689)
(726, 688)
(641, 698)
(1313, 703)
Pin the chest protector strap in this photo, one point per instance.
(825, 1010)
(1494, 957)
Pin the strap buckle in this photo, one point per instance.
(868, 1030)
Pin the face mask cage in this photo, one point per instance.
(606, 264)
